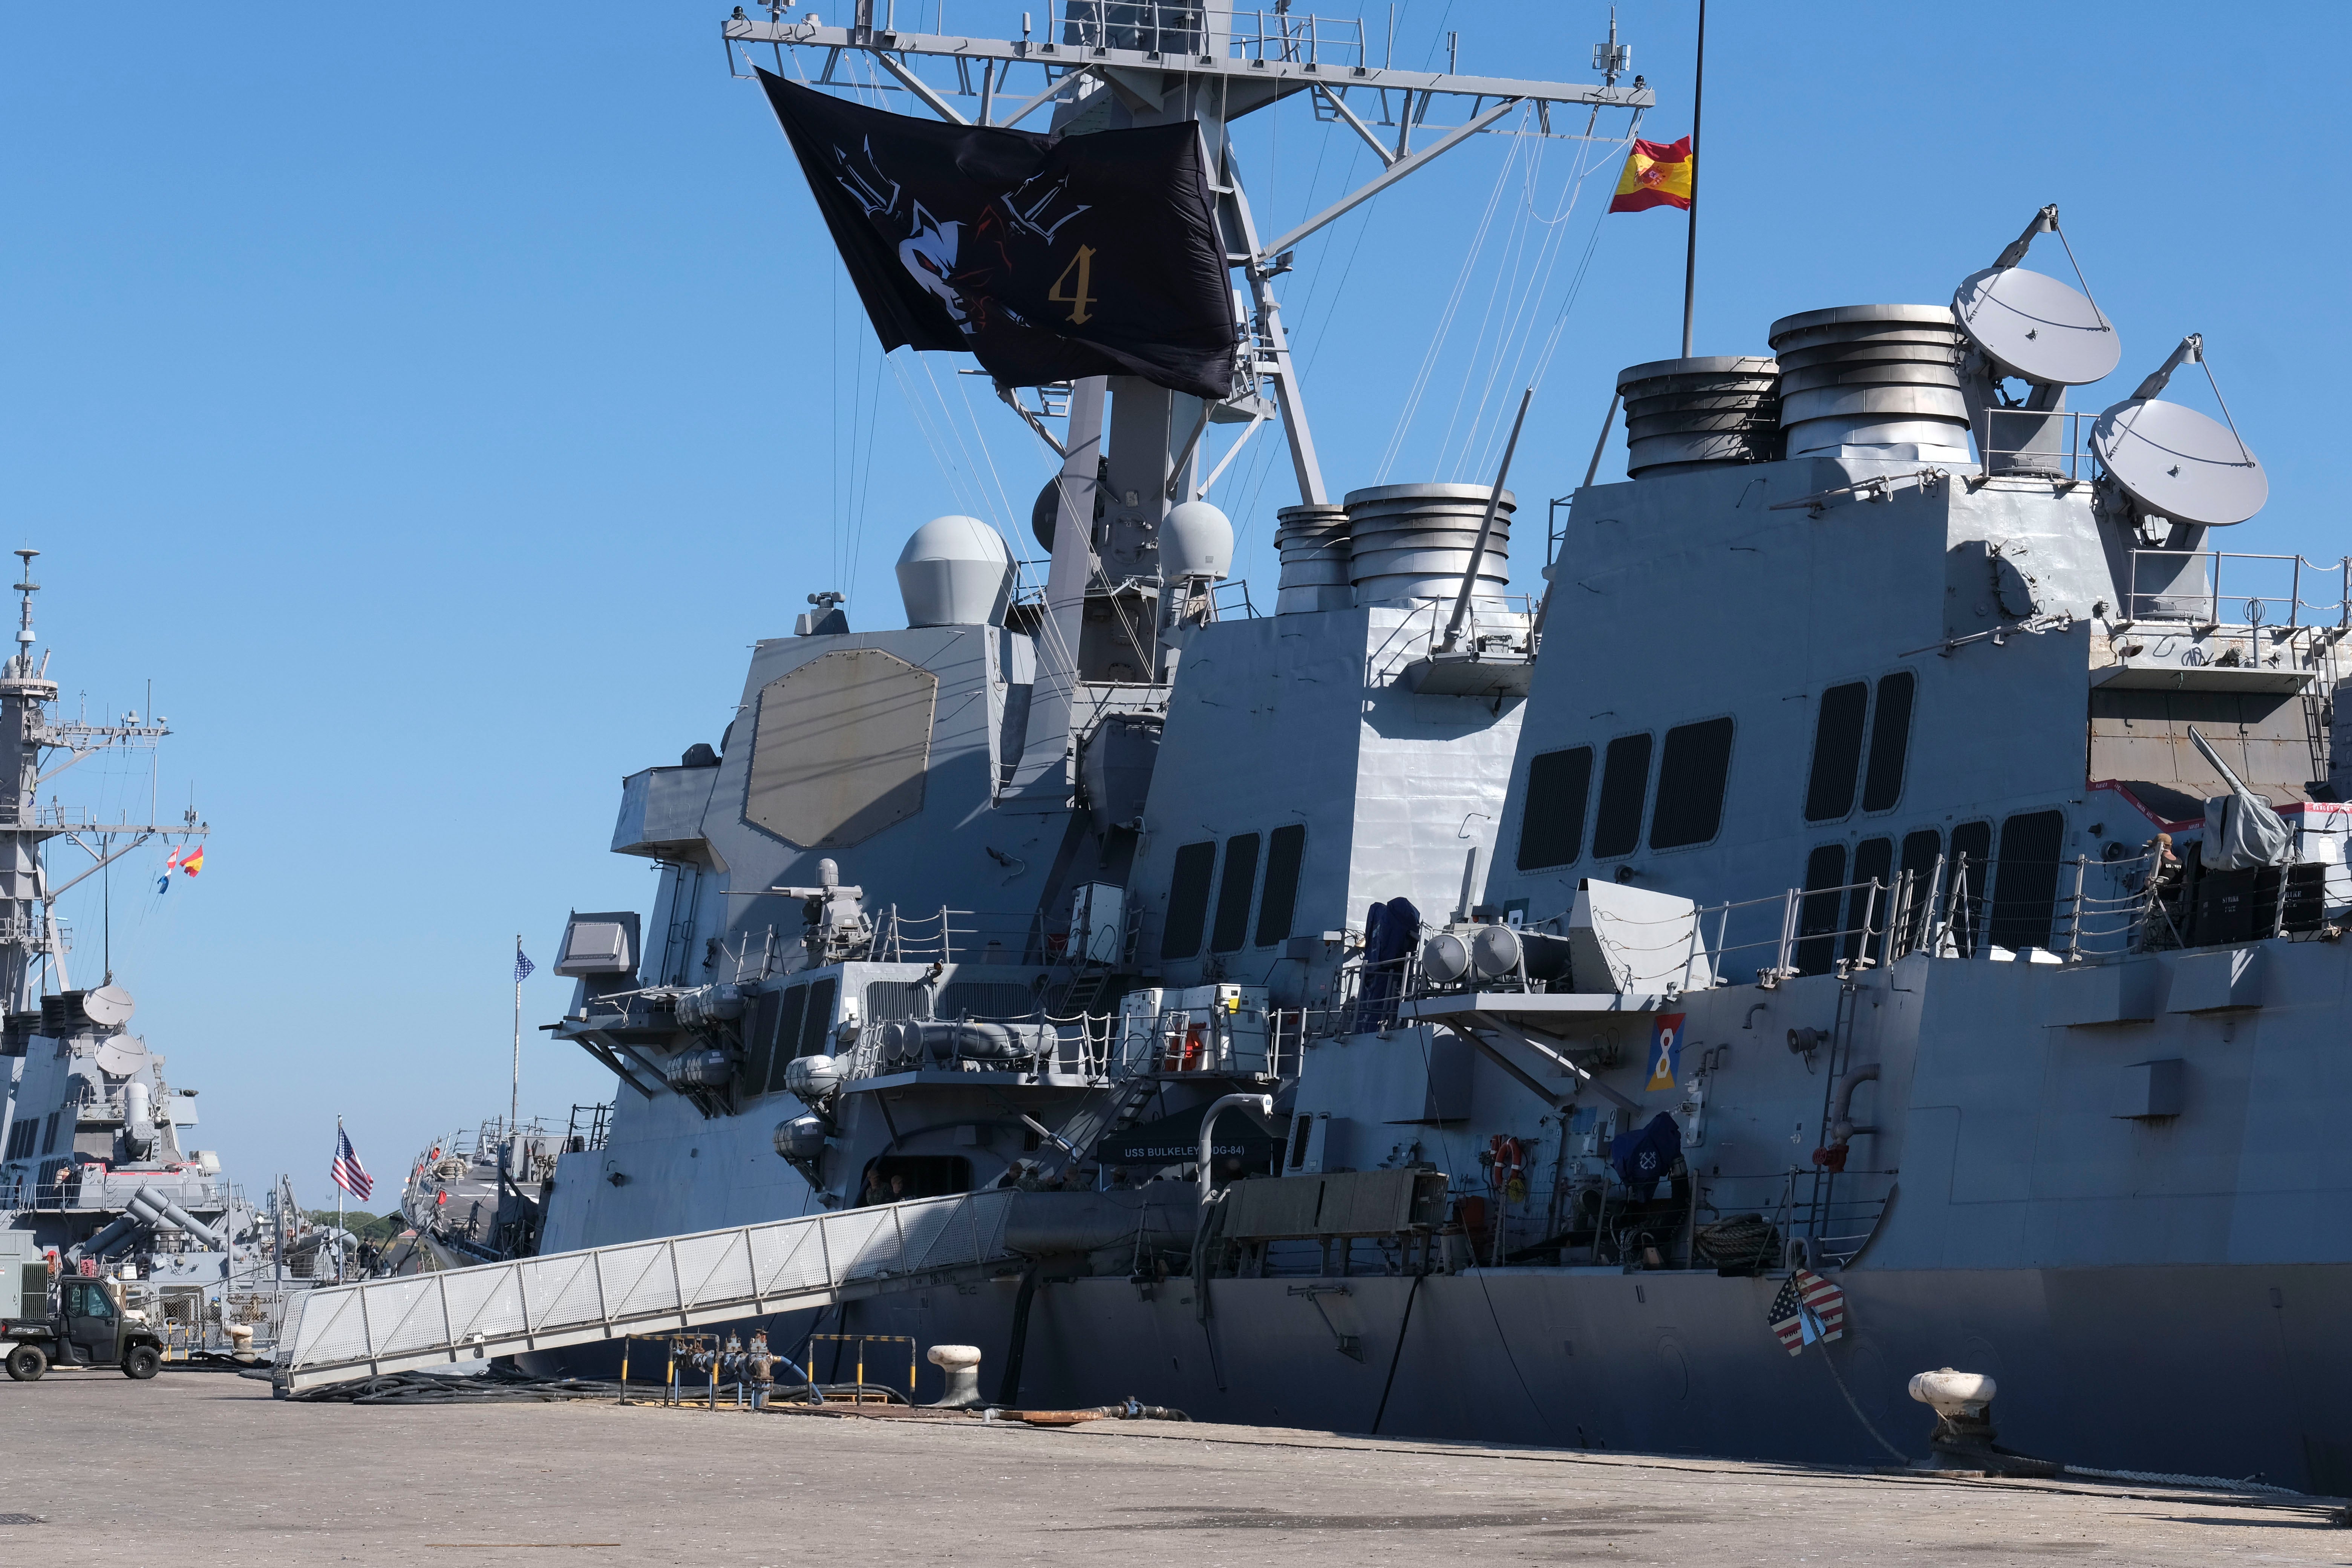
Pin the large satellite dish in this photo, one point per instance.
(122, 1054)
(108, 1007)
(2174, 461)
(2035, 328)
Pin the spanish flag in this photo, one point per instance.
(1657, 174)
(194, 863)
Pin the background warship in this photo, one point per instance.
(98, 1171)
(1422, 1012)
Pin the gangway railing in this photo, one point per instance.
(372, 1327)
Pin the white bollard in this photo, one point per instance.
(962, 1363)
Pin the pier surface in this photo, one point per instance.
(206, 1467)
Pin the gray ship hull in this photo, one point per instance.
(2231, 1371)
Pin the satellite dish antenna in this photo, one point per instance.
(121, 1055)
(108, 1007)
(2032, 327)
(2175, 462)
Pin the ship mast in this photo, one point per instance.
(29, 923)
(1133, 451)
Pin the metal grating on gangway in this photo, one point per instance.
(378, 1326)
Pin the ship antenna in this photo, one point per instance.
(1690, 254)
(27, 587)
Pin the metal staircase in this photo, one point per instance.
(1113, 1111)
(342, 1332)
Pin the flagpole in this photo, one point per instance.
(514, 1099)
(339, 1205)
(1690, 254)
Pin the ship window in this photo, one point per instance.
(759, 1042)
(1233, 894)
(816, 1029)
(49, 1135)
(1921, 850)
(20, 1139)
(1837, 751)
(786, 1038)
(1188, 899)
(1866, 914)
(2025, 885)
(1286, 852)
(1817, 916)
(1890, 743)
(1551, 825)
(1971, 850)
(1692, 770)
(1624, 779)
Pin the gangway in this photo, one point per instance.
(372, 1327)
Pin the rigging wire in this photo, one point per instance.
(1523, 337)
(1420, 386)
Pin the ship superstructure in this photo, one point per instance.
(1947, 908)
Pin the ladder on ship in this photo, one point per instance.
(372, 1327)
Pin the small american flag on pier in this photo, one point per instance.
(347, 1172)
(1809, 1308)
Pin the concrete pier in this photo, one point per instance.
(206, 1467)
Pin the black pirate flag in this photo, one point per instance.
(1046, 256)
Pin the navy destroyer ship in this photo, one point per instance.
(99, 1173)
(1419, 1011)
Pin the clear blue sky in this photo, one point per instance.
(434, 402)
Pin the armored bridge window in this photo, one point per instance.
(2025, 881)
(1837, 750)
(1692, 771)
(1874, 858)
(817, 1026)
(1625, 783)
(1551, 823)
(1188, 899)
(775, 1034)
(1890, 743)
(1967, 878)
(1233, 892)
(759, 1042)
(1920, 852)
(1285, 854)
(1817, 913)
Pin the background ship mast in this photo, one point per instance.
(29, 932)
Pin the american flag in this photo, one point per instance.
(347, 1172)
(523, 966)
(1809, 1308)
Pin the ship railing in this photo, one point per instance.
(1365, 995)
(1492, 616)
(1083, 1047)
(1944, 909)
(1164, 26)
(1208, 1042)
(369, 1328)
(1230, 600)
(1834, 1213)
(2208, 589)
(2036, 443)
(588, 1128)
(954, 936)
